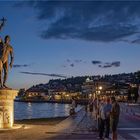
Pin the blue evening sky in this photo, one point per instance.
(56, 38)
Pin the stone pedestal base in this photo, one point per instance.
(7, 107)
(13, 128)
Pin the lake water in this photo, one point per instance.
(23, 110)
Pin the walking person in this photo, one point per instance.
(97, 113)
(107, 110)
(114, 117)
(73, 105)
(91, 107)
(95, 108)
(101, 119)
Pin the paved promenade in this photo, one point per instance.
(75, 127)
(132, 109)
(78, 127)
(129, 124)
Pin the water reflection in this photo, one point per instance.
(55, 109)
(29, 110)
(39, 110)
(66, 108)
(29, 104)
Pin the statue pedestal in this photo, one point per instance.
(7, 108)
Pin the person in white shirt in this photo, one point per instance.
(101, 119)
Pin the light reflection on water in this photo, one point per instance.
(29, 109)
(39, 110)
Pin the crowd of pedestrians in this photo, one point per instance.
(106, 114)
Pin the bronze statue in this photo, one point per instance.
(5, 50)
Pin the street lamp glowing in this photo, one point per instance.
(100, 87)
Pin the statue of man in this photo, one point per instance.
(5, 50)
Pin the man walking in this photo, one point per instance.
(101, 119)
(114, 116)
(107, 110)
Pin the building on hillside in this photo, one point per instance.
(102, 88)
(88, 88)
(38, 95)
(62, 95)
(120, 91)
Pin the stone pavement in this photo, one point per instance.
(132, 109)
(129, 124)
(69, 124)
(81, 129)
(77, 127)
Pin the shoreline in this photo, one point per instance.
(42, 121)
(83, 102)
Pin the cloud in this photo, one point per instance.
(116, 63)
(87, 20)
(133, 39)
(136, 41)
(109, 65)
(72, 65)
(104, 33)
(45, 74)
(19, 66)
(101, 64)
(94, 62)
(68, 60)
(64, 66)
(77, 60)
